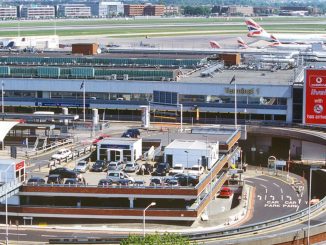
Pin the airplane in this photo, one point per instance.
(256, 31)
(242, 44)
(294, 46)
(214, 44)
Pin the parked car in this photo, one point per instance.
(187, 179)
(82, 166)
(35, 181)
(104, 183)
(131, 133)
(72, 181)
(115, 176)
(156, 181)
(115, 166)
(196, 170)
(173, 183)
(225, 192)
(99, 138)
(63, 172)
(162, 169)
(177, 169)
(131, 167)
(125, 182)
(54, 179)
(61, 154)
(99, 166)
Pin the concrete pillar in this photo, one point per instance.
(65, 112)
(289, 110)
(95, 117)
(131, 202)
(145, 116)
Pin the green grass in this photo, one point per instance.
(163, 31)
(93, 22)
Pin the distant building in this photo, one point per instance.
(240, 10)
(134, 9)
(140, 9)
(8, 12)
(171, 10)
(106, 9)
(74, 11)
(264, 11)
(37, 12)
(154, 10)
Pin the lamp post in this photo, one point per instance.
(187, 168)
(144, 213)
(312, 168)
(6, 203)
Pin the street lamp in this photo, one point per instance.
(144, 212)
(187, 168)
(6, 202)
(312, 168)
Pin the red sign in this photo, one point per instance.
(20, 165)
(315, 108)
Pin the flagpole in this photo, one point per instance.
(84, 100)
(235, 104)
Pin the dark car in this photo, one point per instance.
(72, 181)
(54, 179)
(64, 173)
(104, 183)
(187, 180)
(99, 166)
(131, 133)
(35, 181)
(162, 169)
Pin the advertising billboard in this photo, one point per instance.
(315, 97)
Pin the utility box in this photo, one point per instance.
(230, 59)
(84, 48)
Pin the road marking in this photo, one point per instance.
(271, 196)
(299, 200)
(16, 234)
(281, 190)
(297, 208)
(265, 197)
(276, 185)
(259, 197)
(282, 197)
(261, 179)
(49, 236)
(248, 181)
(264, 186)
(289, 198)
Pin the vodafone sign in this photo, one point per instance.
(315, 97)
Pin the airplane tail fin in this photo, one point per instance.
(214, 44)
(275, 41)
(254, 28)
(241, 43)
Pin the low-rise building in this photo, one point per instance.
(8, 12)
(171, 10)
(37, 12)
(241, 10)
(106, 9)
(154, 10)
(74, 11)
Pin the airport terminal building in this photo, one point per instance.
(117, 85)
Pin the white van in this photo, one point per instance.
(116, 176)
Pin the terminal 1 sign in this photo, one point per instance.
(315, 97)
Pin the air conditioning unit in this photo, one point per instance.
(125, 77)
(114, 76)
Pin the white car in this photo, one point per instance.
(196, 170)
(82, 166)
(177, 169)
(61, 154)
(131, 167)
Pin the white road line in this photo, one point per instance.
(297, 208)
(299, 201)
(276, 185)
(259, 197)
(264, 186)
(19, 234)
(248, 181)
(282, 197)
(49, 236)
(271, 196)
(265, 197)
(261, 179)
(281, 190)
(289, 198)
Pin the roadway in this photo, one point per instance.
(274, 198)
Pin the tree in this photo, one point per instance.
(157, 239)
